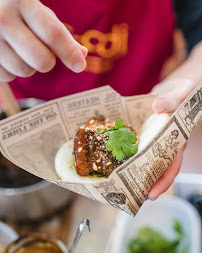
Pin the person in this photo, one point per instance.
(93, 43)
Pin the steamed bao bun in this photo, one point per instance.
(64, 166)
(64, 161)
(150, 128)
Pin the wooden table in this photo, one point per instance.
(65, 224)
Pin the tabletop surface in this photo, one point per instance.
(65, 224)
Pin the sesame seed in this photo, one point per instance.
(94, 166)
(92, 121)
(99, 138)
(79, 149)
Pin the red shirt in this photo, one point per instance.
(128, 43)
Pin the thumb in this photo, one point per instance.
(171, 100)
(166, 103)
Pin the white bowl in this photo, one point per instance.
(158, 215)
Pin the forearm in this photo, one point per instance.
(180, 83)
(191, 69)
(172, 91)
(184, 79)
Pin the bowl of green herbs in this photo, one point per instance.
(166, 225)
(149, 240)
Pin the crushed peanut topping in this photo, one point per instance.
(79, 150)
(92, 121)
(91, 153)
(95, 167)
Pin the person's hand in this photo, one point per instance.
(31, 37)
(171, 94)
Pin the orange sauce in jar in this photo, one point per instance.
(1, 249)
(39, 247)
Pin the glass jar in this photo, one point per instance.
(37, 243)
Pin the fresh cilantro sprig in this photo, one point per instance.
(122, 141)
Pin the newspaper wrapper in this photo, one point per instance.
(31, 139)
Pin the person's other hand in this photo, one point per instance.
(171, 94)
(31, 37)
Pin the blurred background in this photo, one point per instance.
(24, 211)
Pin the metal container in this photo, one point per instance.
(35, 201)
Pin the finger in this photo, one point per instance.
(170, 101)
(54, 34)
(28, 47)
(84, 50)
(5, 76)
(167, 178)
(12, 62)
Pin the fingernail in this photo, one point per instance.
(159, 105)
(78, 67)
(84, 51)
(151, 196)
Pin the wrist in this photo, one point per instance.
(191, 68)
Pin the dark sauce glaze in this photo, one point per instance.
(91, 154)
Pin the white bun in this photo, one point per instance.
(151, 127)
(64, 164)
(66, 170)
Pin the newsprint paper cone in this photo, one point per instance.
(31, 139)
